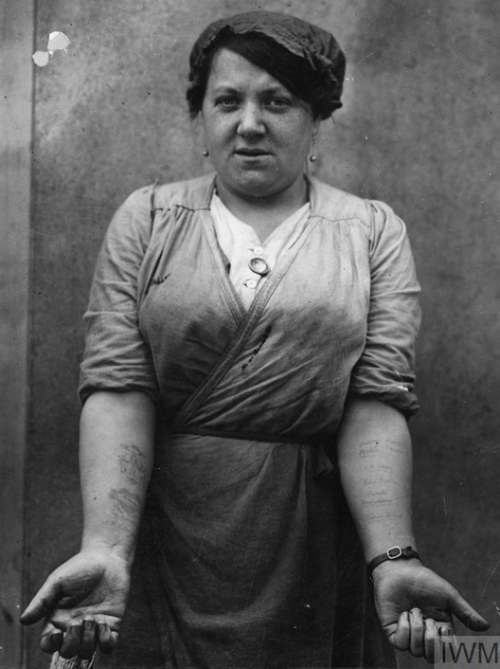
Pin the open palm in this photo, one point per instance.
(416, 606)
(83, 602)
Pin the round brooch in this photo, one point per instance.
(259, 266)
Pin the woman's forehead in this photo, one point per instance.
(229, 69)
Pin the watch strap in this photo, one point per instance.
(393, 553)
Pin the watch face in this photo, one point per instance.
(394, 552)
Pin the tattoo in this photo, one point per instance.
(381, 491)
(382, 517)
(126, 502)
(132, 464)
(368, 448)
(126, 508)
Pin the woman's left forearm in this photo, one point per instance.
(415, 606)
(375, 459)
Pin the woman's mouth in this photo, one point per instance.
(250, 153)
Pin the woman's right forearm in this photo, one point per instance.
(116, 457)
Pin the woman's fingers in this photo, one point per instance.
(51, 639)
(431, 636)
(466, 614)
(419, 635)
(107, 638)
(88, 639)
(417, 630)
(72, 641)
(445, 630)
(401, 637)
(79, 638)
(42, 603)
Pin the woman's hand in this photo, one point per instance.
(415, 607)
(83, 602)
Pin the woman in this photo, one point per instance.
(245, 330)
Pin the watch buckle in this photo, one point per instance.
(394, 553)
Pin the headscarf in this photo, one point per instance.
(316, 46)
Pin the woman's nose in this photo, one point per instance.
(251, 121)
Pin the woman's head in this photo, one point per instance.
(294, 72)
(261, 82)
(303, 57)
(257, 132)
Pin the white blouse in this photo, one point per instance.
(240, 244)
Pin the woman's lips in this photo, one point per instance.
(252, 153)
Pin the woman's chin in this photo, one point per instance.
(256, 186)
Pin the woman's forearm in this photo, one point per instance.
(116, 455)
(375, 461)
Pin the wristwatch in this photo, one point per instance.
(394, 553)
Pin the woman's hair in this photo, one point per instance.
(292, 71)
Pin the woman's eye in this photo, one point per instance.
(227, 103)
(278, 104)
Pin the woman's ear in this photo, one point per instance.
(314, 134)
(198, 134)
(316, 127)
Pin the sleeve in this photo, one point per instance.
(385, 369)
(116, 355)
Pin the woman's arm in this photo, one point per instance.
(84, 600)
(414, 604)
(375, 458)
(116, 459)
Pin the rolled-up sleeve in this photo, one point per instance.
(385, 370)
(116, 356)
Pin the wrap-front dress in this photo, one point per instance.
(247, 555)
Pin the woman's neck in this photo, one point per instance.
(265, 214)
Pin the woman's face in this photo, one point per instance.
(258, 133)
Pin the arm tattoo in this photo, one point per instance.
(126, 507)
(132, 464)
(381, 490)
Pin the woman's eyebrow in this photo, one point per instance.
(224, 88)
(276, 90)
(269, 90)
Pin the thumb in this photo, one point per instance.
(467, 615)
(42, 603)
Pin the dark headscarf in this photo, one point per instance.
(315, 46)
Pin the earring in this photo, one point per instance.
(206, 153)
(312, 158)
